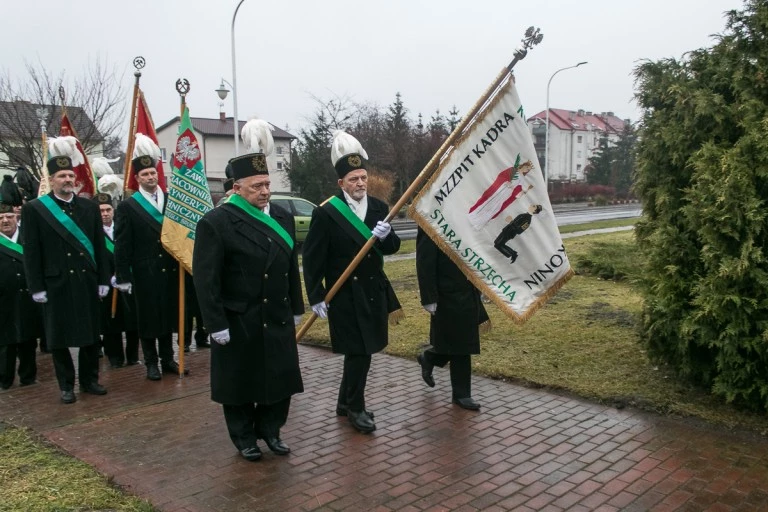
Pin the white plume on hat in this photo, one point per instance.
(100, 166)
(110, 184)
(65, 146)
(144, 146)
(344, 144)
(257, 136)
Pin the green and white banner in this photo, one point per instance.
(188, 196)
(486, 206)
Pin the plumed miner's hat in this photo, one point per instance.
(9, 195)
(145, 153)
(110, 184)
(63, 154)
(100, 167)
(103, 198)
(257, 137)
(347, 154)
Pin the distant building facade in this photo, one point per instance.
(574, 135)
(216, 140)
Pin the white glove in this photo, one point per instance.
(296, 320)
(430, 308)
(321, 310)
(40, 297)
(113, 281)
(221, 337)
(382, 229)
(124, 287)
(103, 291)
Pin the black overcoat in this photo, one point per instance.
(125, 316)
(21, 319)
(358, 314)
(453, 329)
(248, 284)
(141, 260)
(56, 263)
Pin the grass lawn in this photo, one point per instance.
(584, 341)
(35, 476)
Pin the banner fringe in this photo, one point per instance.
(396, 316)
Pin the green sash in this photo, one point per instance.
(236, 200)
(68, 224)
(344, 209)
(6, 242)
(151, 209)
(110, 244)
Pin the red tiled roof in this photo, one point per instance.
(573, 120)
(219, 128)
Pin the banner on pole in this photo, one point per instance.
(486, 206)
(145, 126)
(188, 196)
(85, 182)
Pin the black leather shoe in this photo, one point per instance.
(68, 396)
(467, 403)
(251, 453)
(203, 344)
(341, 410)
(116, 364)
(93, 389)
(173, 367)
(153, 373)
(277, 446)
(426, 370)
(361, 421)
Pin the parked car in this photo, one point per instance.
(301, 210)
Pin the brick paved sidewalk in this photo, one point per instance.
(526, 450)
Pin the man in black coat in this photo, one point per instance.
(144, 268)
(65, 260)
(247, 279)
(456, 312)
(358, 314)
(125, 315)
(21, 319)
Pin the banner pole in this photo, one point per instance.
(532, 38)
(182, 87)
(138, 63)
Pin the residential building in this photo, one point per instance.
(21, 135)
(574, 135)
(217, 147)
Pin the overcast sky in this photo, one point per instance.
(435, 53)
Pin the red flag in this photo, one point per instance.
(85, 182)
(145, 126)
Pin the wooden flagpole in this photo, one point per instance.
(139, 64)
(182, 87)
(532, 38)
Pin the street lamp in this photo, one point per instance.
(222, 91)
(546, 135)
(234, 81)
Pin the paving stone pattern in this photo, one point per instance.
(526, 450)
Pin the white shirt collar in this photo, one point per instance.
(160, 198)
(14, 238)
(109, 230)
(359, 207)
(64, 200)
(266, 210)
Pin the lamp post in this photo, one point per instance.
(546, 134)
(236, 122)
(222, 91)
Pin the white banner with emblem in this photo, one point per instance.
(487, 207)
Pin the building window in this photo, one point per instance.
(279, 150)
(162, 155)
(578, 139)
(279, 166)
(578, 154)
(578, 167)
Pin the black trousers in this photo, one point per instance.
(164, 347)
(26, 354)
(113, 347)
(461, 371)
(248, 422)
(87, 366)
(353, 380)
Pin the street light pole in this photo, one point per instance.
(236, 122)
(546, 133)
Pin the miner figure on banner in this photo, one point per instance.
(142, 265)
(246, 272)
(65, 257)
(357, 315)
(516, 226)
(21, 319)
